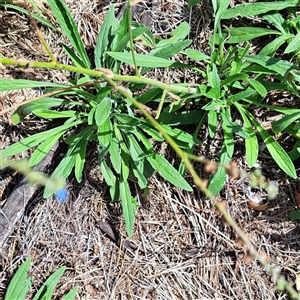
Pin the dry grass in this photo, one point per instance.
(181, 247)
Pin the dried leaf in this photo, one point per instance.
(258, 207)
(297, 198)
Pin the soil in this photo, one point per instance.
(181, 247)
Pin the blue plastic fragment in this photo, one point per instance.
(62, 195)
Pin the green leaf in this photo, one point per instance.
(138, 168)
(35, 139)
(103, 111)
(253, 9)
(220, 7)
(180, 135)
(127, 120)
(280, 109)
(146, 60)
(66, 165)
(150, 95)
(105, 133)
(196, 55)
(181, 118)
(277, 152)
(105, 36)
(251, 143)
(237, 66)
(214, 105)
(19, 285)
(41, 151)
(149, 129)
(258, 87)
(214, 81)
(240, 96)
(274, 64)
(69, 28)
(168, 172)
(295, 215)
(148, 39)
(179, 33)
(242, 34)
(108, 175)
(170, 49)
(293, 45)
(81, 156)
(163, 167)
(44, 103)
(295, 153)
(136, 153)
(123, 27)
(122, 43)
(115, 155)
(16, 84)
(74, 58)
(279, 125)
(212, 122)
(228, 141)
(71, 295)
(91, 115)
(128, 207)
(277, 21)
(234, 78)
(46, 291)
(124, 167)
(273, 46)
(52, 114)
(218, 179)
(120, 138)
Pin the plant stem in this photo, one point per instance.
(56, 66)
(197, 180)
(161, 102)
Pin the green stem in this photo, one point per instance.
(95, 73)
(161, 103)
(185, 158)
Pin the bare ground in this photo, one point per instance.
(181, 248)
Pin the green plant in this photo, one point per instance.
(99, 110)
(236, 82)
(288, 30)
(20, 285)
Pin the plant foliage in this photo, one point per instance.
(102, 110)
(20, 285)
